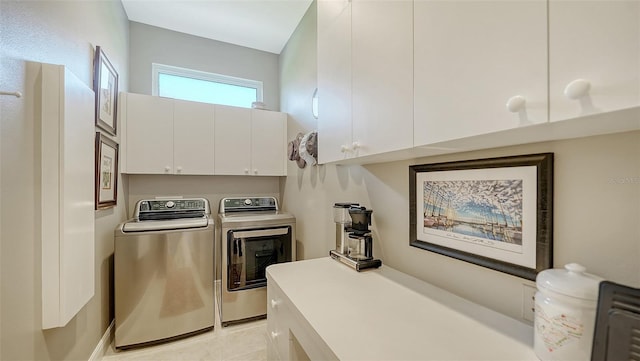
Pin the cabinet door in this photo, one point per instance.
(268, 143)
(149, 134)
(334, 80)
(382, 70)
(598, 42)
(193, 132)
(232, 140)
(471, 58)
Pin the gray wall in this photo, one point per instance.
(150, 44)
(597, 199)
(58, 32)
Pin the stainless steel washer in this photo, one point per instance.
(251, 234)
(163, 265)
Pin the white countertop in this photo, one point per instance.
(383, 314)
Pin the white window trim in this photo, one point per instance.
(156, 69)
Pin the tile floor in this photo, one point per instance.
(246, 341)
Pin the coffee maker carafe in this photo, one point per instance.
(354, 243)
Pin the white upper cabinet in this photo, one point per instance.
(268, 143)
(594, 56)
(334, 79)
(168, 136)
(480, 67)
(149, 138)
(232, 140)
(382, 76)
(193, 134)
(250, 142)
(365, 77)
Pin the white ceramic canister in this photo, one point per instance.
(565, 313)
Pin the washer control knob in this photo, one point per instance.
(170, 204)
(247, 202)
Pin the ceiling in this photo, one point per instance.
(259, 24)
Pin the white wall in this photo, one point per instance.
(596, 199)
(150, 44)
(58, 32)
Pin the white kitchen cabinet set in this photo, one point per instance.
(171, 136)
(430, 77)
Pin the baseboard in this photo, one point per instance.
(103, 345)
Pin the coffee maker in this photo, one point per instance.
(354, 244)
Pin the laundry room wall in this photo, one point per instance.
(57, 32)
(150, 44)
(596, 203)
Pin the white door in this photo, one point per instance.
(268, 143)
(471, 59)
(594, 51)
(382, 69)
(232, 140)
(334, 80)
(193, 135)
(149, 134)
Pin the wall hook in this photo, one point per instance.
(15, 94)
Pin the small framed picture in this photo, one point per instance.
(106, 179)
(496, 213)
(105, 86)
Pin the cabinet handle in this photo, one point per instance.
(167, 169)
(274, 303)
(344, 149)
(255, 171)
(355, 146)
(517, 103)
(274, 334)
(577, 89)
(179, 169)
(246, 171)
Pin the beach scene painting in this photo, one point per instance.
(487, 212)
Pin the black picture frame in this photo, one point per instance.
(105, 87)
(481, 227)
(106, 172)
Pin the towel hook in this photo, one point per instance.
(15, 94)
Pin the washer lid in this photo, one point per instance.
(146, 226)
(572, 281)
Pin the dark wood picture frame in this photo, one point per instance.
(105, 87)
(106, 172)
(479, 228)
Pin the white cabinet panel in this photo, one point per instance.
(599, 42)
(66, 195)
(471, 58)
(193, 135)
(382, 70)
(334, 80)
(149, 126)
(232, 140)
(365, 77)
(268, 143)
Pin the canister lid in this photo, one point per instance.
(572, 281)
(345, 205)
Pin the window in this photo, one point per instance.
(188, 84)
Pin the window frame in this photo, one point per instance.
(157, 69)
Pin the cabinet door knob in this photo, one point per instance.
(255, 171)
(179, 169)
(344, 149)
(517, 103)
(167, 169)
(577, 89)
(355, 146)
(274, 303)
(246, 171)
(274, 334)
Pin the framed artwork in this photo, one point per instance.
(106, 179)
(496, 213)
(105, 86)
